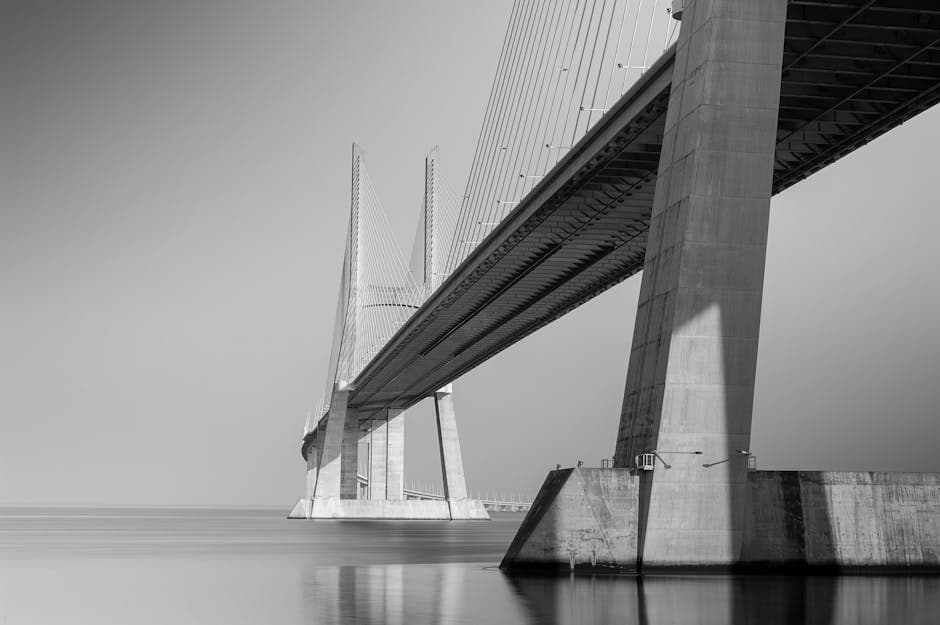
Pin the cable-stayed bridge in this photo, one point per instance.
(578, 183)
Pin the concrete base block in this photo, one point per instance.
(467, 509)
(585, 519)
(407, 509)
(842, 520)
(581, 518)
(301, 510)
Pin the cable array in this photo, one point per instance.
(378, 291)
(561, 67)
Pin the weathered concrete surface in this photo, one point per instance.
(408, 509)
(793, 519)
(842, 520)
(581, 518)
(690, 381)
(328, 478)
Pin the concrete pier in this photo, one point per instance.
(329, 476)
(395, 472)
(378, 458)
(313, 463)
(690, 381)
(455, 484)
(386, 437)
(349, 457)
(332, 453)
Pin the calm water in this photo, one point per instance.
(94, 566)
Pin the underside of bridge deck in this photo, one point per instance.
(852, 70)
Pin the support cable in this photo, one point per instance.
(493, 117)
(487, 201)
(601, 65)
(531, 102)
(587, 78)
(556, 110)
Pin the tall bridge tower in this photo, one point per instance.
(355, 455)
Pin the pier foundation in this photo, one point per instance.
(331, 452)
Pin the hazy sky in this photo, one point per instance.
(174, 186)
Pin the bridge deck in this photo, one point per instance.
(852, 70)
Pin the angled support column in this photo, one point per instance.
(690, 382)
(313, 465)
(455, 485)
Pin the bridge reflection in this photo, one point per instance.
(471, 593)
(707, 599)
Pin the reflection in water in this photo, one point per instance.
(719, 599)
(468, 593)
(379, 594)
(216, 567)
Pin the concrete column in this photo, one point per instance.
(313, 464)
(455, 485)
(395, 472)
(378, 458)
(349, 483)
(328, 479)
(690, 382)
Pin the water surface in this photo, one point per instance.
(233, 567)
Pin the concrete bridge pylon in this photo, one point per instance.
(378, 291)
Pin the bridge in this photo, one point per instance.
(673, 177)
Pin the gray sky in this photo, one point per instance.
(174, 185)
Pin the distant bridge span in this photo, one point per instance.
(583, 228)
